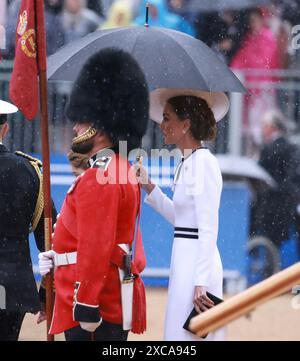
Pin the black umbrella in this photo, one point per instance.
(220, 5)
(169, 59)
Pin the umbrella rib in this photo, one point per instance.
(135, 43)
(242, 88)
(165, 60)
(189, 57)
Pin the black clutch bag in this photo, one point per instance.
(216, 300)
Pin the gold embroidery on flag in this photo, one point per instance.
(28, 43)
(22, 23)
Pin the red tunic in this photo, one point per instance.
(94, 219)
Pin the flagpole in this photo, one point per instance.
(46, 160)
(47, 194)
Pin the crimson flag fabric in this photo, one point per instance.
(30, 57)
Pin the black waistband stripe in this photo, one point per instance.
(184, 235)
(185, 229)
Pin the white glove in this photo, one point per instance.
(90, 326)
(46, 262)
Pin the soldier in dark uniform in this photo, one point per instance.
(21, 208)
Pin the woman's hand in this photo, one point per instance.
(142, 177)
(201, 300)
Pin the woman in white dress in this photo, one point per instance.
(187, 119)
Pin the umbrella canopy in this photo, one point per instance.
(221, 5)
(243, 167)
(169, 59)
(7, 108)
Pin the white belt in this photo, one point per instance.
(63, 259)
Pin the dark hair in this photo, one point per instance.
(203, 122)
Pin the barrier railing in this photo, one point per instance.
(246, 301)
(238, 134)
(269, 90)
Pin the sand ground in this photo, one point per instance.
(275, 320)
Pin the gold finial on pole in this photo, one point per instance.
(147, 15)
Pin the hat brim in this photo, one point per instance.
(218, 102)
(7, 108)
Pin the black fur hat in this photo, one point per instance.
(111, 93)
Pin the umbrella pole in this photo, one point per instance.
(244, 302)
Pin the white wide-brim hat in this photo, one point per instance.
(7, 108)
(217, 101)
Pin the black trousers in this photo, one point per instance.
(10, 325)
(105, 332)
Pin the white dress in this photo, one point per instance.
(195, 257)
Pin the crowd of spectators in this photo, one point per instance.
(225, 30)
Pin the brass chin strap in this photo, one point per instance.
(88, 134)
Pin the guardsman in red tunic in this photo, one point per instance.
(98, 284)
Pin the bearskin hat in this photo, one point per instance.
(111, 93)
